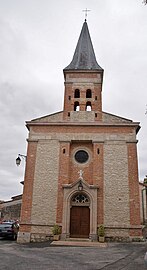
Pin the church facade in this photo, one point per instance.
(81, 168)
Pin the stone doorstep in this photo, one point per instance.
(78, 243)
(78, 239)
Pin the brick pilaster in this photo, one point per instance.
(98, 178)
(28, 186)
(135, 218)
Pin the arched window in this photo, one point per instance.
(80, 198)
(88, 106)
(77, 93)
(88, 93)
(76, 106)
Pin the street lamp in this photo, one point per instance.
(80, 186)
(18, 159)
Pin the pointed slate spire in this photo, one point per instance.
(84, 56)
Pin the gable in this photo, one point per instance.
(58, 117)
(111, 118)
(55, 117)
(107, 120)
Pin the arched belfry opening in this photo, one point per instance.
(77, 93)
(88, 106)
(88, 93)
(76, 106)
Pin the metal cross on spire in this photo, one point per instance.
(86, 11)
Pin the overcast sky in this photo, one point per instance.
(38, 39)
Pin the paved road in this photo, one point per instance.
(44, 256)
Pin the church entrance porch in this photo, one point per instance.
(79, 211)
(80, 222)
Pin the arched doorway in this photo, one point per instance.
(80, 216)
(70, 192)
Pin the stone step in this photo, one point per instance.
(78, 239)
(79, 244)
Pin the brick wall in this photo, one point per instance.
(51, 162)
(82, 81)
(28, 187)
(10, 210)
(135, 215)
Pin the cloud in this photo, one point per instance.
(38, 40)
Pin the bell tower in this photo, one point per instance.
(83, 81)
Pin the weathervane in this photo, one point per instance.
(86, 11)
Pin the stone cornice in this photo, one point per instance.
(97, 124)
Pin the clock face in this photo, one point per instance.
(81, 156)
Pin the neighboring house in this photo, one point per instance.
(10, 210)
(81, 167)
(143, 201)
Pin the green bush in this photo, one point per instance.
(101, 230)
(56, 229)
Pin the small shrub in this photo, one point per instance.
(101, 230)
(56, 229)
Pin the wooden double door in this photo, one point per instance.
(80, 221)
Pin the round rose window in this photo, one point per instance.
(81, 156)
